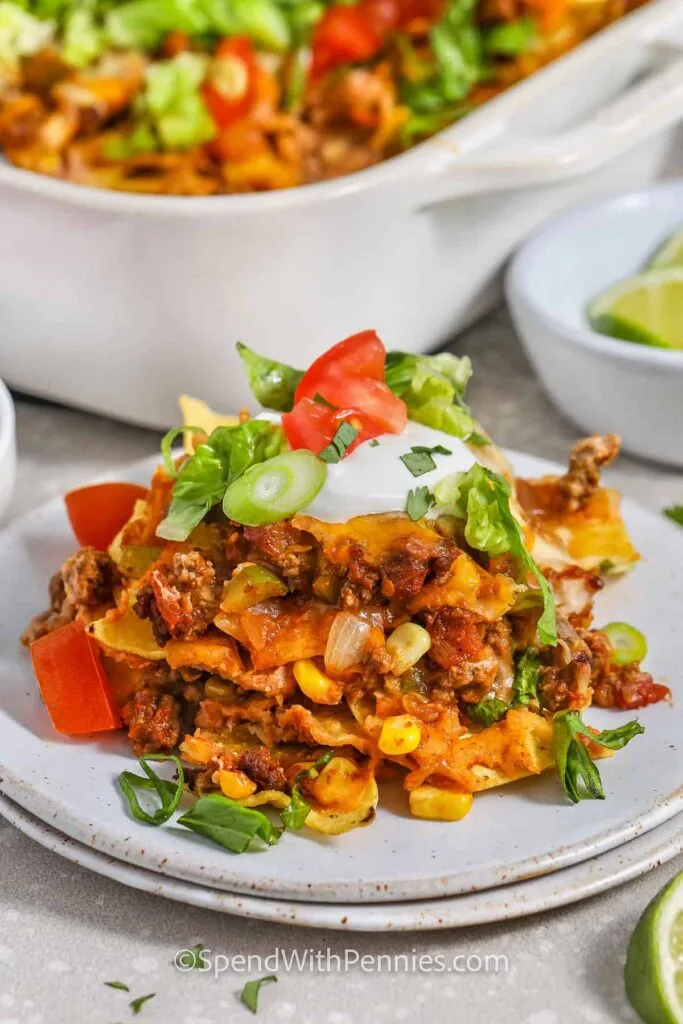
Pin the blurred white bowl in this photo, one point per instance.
(600, 383)
(8, 450)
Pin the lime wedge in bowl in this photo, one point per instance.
(647, 309)
(654, 963)
(670, 254)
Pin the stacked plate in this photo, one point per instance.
(522, 849)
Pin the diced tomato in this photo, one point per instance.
(342, 35)
(368, 397)
(97, 513)
(175, 43)
(350, 377)
(312, 425)
(382, 16)
(229, 88)
(639, 692)
(73, 683)
(361, 355)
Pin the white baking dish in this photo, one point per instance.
(117, 303)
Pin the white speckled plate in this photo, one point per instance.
(520, 899)
(523, 830)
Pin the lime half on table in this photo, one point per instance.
(670, 254)
(647, 309)
(654, 964)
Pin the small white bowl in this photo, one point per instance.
(600, 383)
(8, 449)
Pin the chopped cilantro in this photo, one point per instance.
(137, 1004)
(345, 435)
(419, 502)
(250, 993)
(196, 960)
(420, 459)
(675, 512)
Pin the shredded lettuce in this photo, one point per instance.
(262, 21)
(488, 711)
(145, 23)
(510, 38)
(433, 388)
(482, 499)
(142, 139)
(21, 34)
(172, 104)
(525, 685)
(302, 17)
(206, 476)
(458, 61)
(83, 41)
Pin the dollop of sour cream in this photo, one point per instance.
(372, 479)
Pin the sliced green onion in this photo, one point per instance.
(275, 489)
(169, 793)
(628, 642)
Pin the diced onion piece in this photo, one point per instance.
(346, 643)
(231, 625)
(628, 642)
(220, 690)
(249, 585)
(406, 645)
(275, 489)
(136, 560)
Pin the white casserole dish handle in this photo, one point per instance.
(501, 159)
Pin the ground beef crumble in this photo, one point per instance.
(86, 581)
(153, 721)
(259, 765)
(620, 686)
(181, 599)
(565, 671)
(586, 459)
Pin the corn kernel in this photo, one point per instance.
(439, 804)
(197, 750)
(406, 645)
(318, 687)
(400, 735)
(236, 785)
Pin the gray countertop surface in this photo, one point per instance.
(64, 932)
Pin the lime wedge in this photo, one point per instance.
(670, 254)
(654, 963)
(647, 309)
